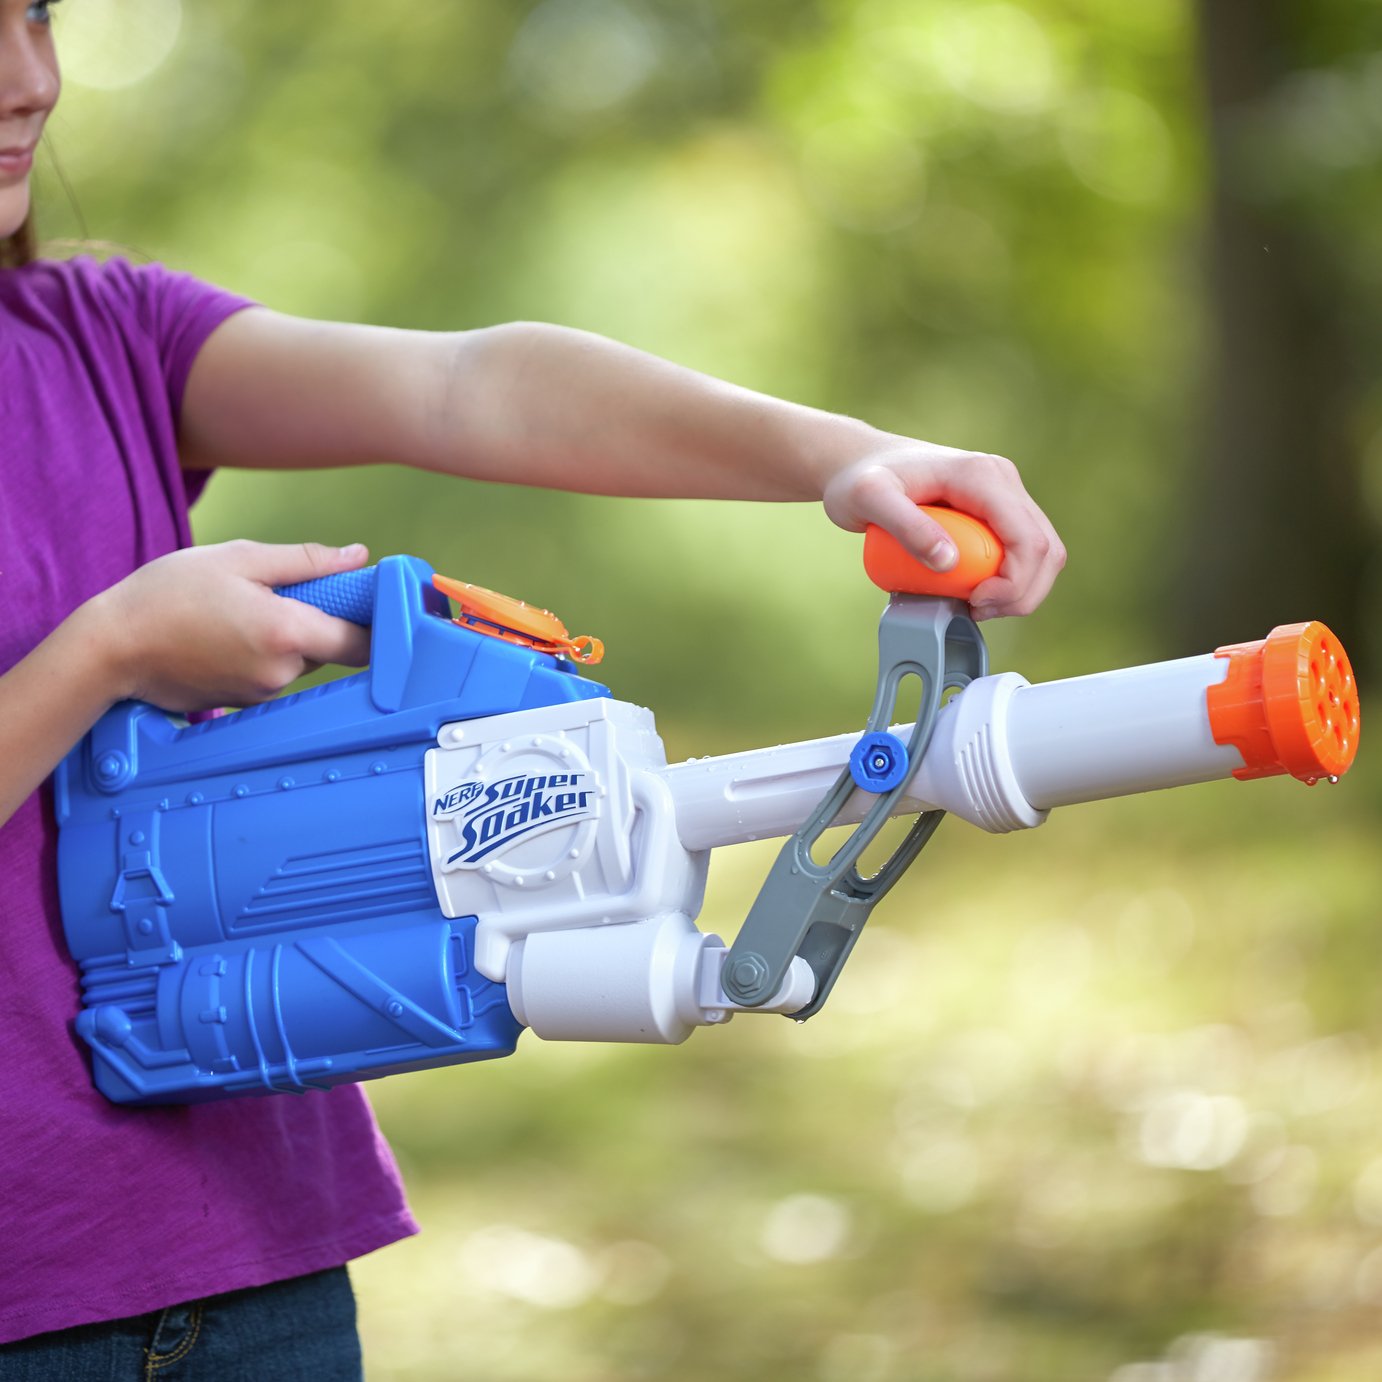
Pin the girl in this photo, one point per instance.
(192, 1241)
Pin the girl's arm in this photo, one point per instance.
(544, 405)
(190, 631)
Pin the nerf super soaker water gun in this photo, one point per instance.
(406, 867)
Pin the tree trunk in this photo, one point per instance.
(1275, 530)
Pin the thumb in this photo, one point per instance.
(927, 540)
(274, 564)
(921, 535)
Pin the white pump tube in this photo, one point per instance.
(1004, 752)
(641, 981)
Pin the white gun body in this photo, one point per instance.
(584, 853)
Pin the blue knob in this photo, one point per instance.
(878, 762)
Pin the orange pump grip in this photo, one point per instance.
(1289, 704)
(894, 569)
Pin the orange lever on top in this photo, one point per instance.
(514, 621)
(894, 569)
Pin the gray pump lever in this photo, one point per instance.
(818, 910)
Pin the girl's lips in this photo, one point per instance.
(16, 162)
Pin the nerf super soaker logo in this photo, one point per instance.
(493, 815)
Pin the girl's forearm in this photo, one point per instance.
(188, 631)
(547, 405)
(47, 702)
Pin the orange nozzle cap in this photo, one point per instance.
(892, 568)
(1289, 704)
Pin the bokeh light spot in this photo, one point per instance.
(1118, 145)
(997, 56)
(802, 1229)
(108, 44)
(1193, 1131)
(534, 1268)
(581, 57)
(1290, 1186)
(865, 174)
(942, 1175)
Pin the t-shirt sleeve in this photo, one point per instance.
(177, 310)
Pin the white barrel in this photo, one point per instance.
(1137, 729)
(1003, 753)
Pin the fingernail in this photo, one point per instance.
(942, 556)
(354, 550)
(982, 612)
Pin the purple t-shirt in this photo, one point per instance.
(108, 1211)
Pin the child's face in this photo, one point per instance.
(29, 86)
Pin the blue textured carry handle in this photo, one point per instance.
(348, 595)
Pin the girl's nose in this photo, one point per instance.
(29, 81)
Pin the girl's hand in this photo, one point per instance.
(202, 627)
(886, 485)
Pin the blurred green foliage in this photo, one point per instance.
(1098, 1103)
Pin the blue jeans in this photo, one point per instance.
(302, 1330)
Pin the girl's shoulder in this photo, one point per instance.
(82, 284)
(102, 298)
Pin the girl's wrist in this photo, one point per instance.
(100, 632)
(832, 443)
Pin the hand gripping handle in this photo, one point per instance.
(347, 595)
(817, 910)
